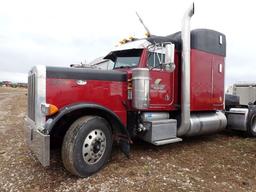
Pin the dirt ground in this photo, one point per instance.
(220, 162)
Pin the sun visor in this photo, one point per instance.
(138, 44)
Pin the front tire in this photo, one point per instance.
(87, 146)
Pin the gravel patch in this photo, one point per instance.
(221, 162)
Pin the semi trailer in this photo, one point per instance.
(245, 91)
(161, 90)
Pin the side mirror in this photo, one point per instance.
(169, 57)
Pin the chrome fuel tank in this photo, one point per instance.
(206, 123)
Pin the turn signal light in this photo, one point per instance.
(49, 109)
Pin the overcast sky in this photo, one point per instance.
(52, 32)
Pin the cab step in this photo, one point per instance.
(167, 141)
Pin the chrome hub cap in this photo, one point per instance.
(94, 146)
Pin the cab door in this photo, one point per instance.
(161, 84)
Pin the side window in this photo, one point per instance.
(155, 59)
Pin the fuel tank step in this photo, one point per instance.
(167, 141)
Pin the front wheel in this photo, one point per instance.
(87, 146)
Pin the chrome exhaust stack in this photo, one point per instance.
(185, 71)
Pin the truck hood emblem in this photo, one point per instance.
(81, 82)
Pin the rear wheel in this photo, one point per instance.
(251, 121)
(87, 146)
(252, 126)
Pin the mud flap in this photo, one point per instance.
(125, 148)
(124, 143)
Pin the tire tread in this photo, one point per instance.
(68, 144)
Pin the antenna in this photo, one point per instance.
(145, 27)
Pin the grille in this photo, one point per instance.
(31, 96)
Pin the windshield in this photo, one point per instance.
(125, 58)
(126, 62)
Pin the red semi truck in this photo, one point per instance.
(160, 90)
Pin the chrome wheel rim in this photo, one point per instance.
(94, 146)
(254, 124)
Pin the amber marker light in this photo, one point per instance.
(49, 109)
(129, 84)
(147, 34)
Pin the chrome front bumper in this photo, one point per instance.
(38, 142)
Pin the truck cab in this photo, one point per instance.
(161, 89)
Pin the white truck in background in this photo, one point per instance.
(240, 103)
(245, 91)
